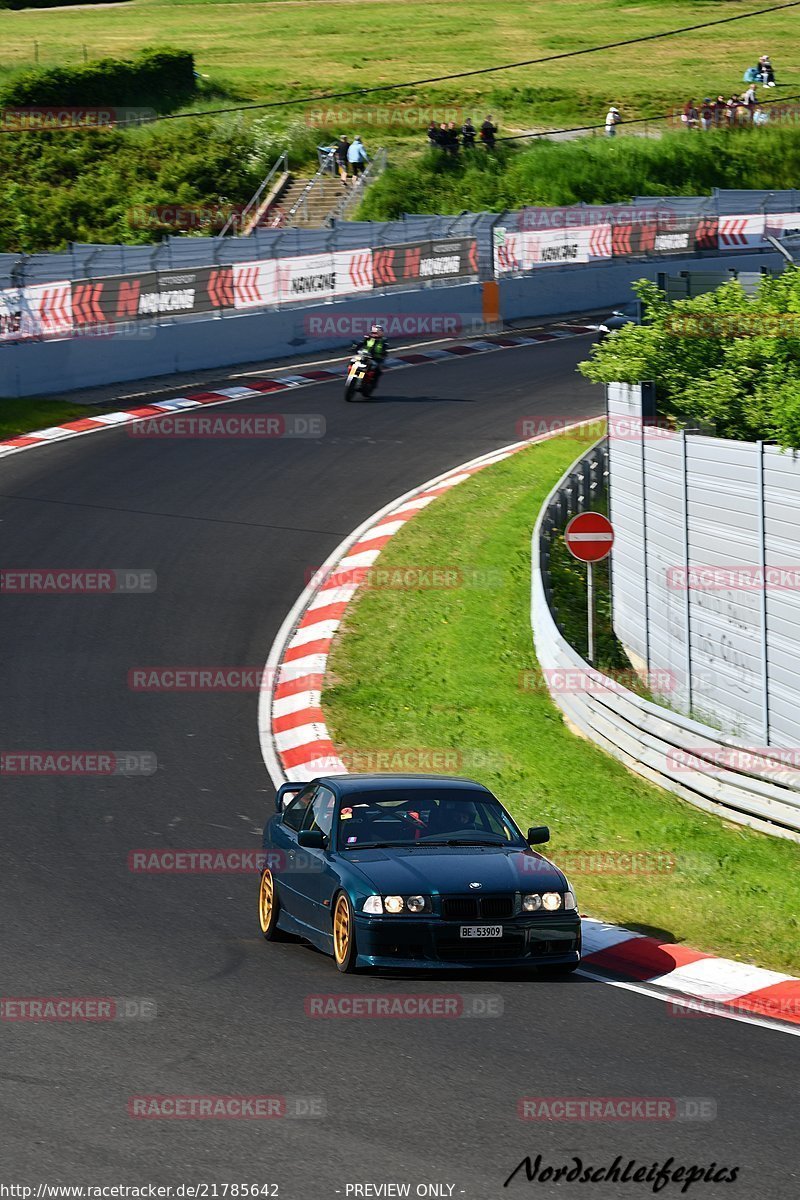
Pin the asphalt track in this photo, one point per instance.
(231, 528)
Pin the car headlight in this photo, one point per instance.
(531, 903)
(551, 901)
(393, 904)
(569, 900)
(373, 905)
(416, 904)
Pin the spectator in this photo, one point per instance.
(452, 139)
(706, 114)
(433, 134)
(749, 102)
(765, 71)
(760, 115)
(613, 119)
(468, 134)
(721, 113)
(488, 132)
(342, 146)
(690, 116)
(357, 156)
(734, 107)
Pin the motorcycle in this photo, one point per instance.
(362, 375)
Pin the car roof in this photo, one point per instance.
(351, 784)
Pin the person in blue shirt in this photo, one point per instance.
(357, 156)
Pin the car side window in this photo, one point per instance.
(319, 814)
(294, 812)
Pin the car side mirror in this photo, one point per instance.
(312, 839)
(538, 834)
(285, 793)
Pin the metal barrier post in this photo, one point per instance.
(762, 554)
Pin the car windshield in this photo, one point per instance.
(424, 818)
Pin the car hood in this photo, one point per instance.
(405, 871)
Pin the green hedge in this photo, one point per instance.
(162, 79)
(18, 4)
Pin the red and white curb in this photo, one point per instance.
(281, 383)
(296, 745)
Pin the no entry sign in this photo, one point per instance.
(589, 537)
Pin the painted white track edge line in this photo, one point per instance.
(642, 988)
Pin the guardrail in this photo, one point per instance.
(242, 219)
(326, 167)
(682, 755)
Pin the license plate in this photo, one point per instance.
(481, 931)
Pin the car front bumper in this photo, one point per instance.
(422, 942)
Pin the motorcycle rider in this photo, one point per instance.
(377, 347)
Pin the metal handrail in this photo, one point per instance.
(281, 163)
(302, 199)
(374, 168)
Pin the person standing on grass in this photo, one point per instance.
(357, 157)
(433, 134)
(452, 139)
(488, 133)
(721, 113)
(706, 115)
(468, 134)
(690, 117)
(749, 99)
(613, 119)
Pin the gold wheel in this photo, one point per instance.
(266, 901)
(341, 930)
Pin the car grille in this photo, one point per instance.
(476, 908)
(511, 945)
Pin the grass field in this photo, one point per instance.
(23, 416)
(277, 49)
(441, 670)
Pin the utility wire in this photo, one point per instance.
(391, 87)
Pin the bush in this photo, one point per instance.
(594, 170)
(721, 359)
(101, 185)
(160, 78)
(19, 4)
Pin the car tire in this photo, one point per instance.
(561, 971)
(344, 935)
(269, 908)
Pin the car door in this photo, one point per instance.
(317, 876)
(284, 840)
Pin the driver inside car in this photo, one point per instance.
(455, 817)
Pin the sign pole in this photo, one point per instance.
(590, 610)
(589, 538)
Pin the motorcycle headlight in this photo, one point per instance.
(551, 901)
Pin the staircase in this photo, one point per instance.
(306, 207)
